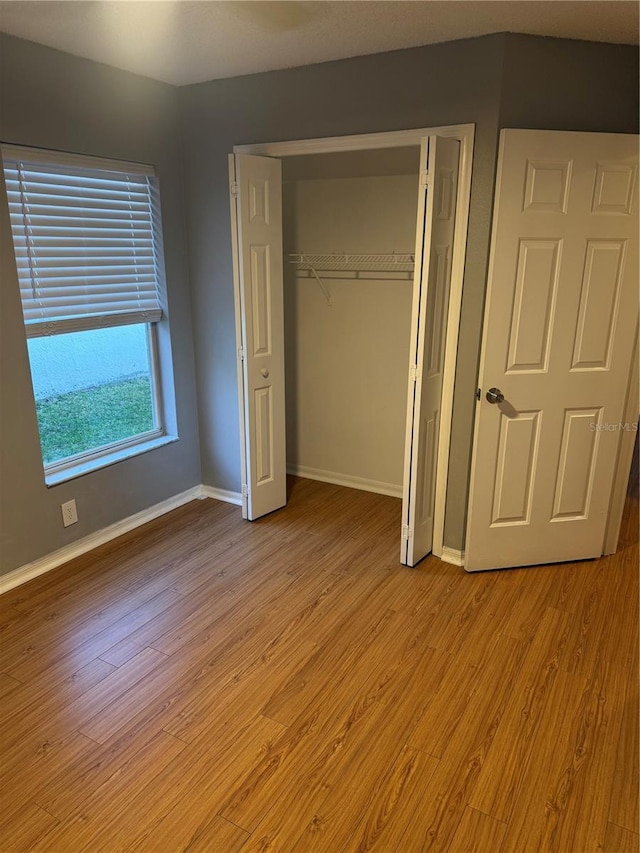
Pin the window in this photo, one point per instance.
(87, 241)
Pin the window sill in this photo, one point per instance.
(92, 465)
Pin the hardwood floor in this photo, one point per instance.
(207, 684)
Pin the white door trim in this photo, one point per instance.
(396, 139)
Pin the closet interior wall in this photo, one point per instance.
(347, 362)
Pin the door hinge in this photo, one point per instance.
(425, 179)
(241, 353)
(245, 490)
(414, 374)
(234, 188)
(407, 532)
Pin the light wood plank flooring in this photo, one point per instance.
(206, 684)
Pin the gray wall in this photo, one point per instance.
(451, 83)
(54, 100)
(558, 84)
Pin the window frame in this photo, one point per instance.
(102, 456)
(80, 461)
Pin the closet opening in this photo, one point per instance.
(349, 233)
(348, 265)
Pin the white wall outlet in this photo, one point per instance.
(69, 513)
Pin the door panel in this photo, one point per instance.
(576, 469)
(260, 287)
(560, 321)
(599, 300)
(517, 457)
(434, 248)
(533, 306)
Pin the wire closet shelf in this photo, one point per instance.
(389, 262)
(355, 264)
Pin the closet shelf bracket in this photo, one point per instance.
(307, 262)
(323, 287)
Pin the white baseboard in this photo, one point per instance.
(93, 540)
(221, 495)
(451, 555)
(346, 480)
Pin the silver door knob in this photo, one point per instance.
(495, 395)
(264, 372)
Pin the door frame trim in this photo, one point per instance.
(465, 134)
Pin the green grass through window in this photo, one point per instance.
(85, 420)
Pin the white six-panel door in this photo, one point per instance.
(562, 309)
(257, 199)
(434, 250)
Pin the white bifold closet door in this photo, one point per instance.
(432, 280)
(256, 199)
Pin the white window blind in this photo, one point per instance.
(87, 240)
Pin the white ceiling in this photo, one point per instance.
(181, 41)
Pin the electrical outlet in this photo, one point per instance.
(69, 513)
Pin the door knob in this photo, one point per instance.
(264, 372)
(495, 395)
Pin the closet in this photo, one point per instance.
(349, 234)
(345, 256)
